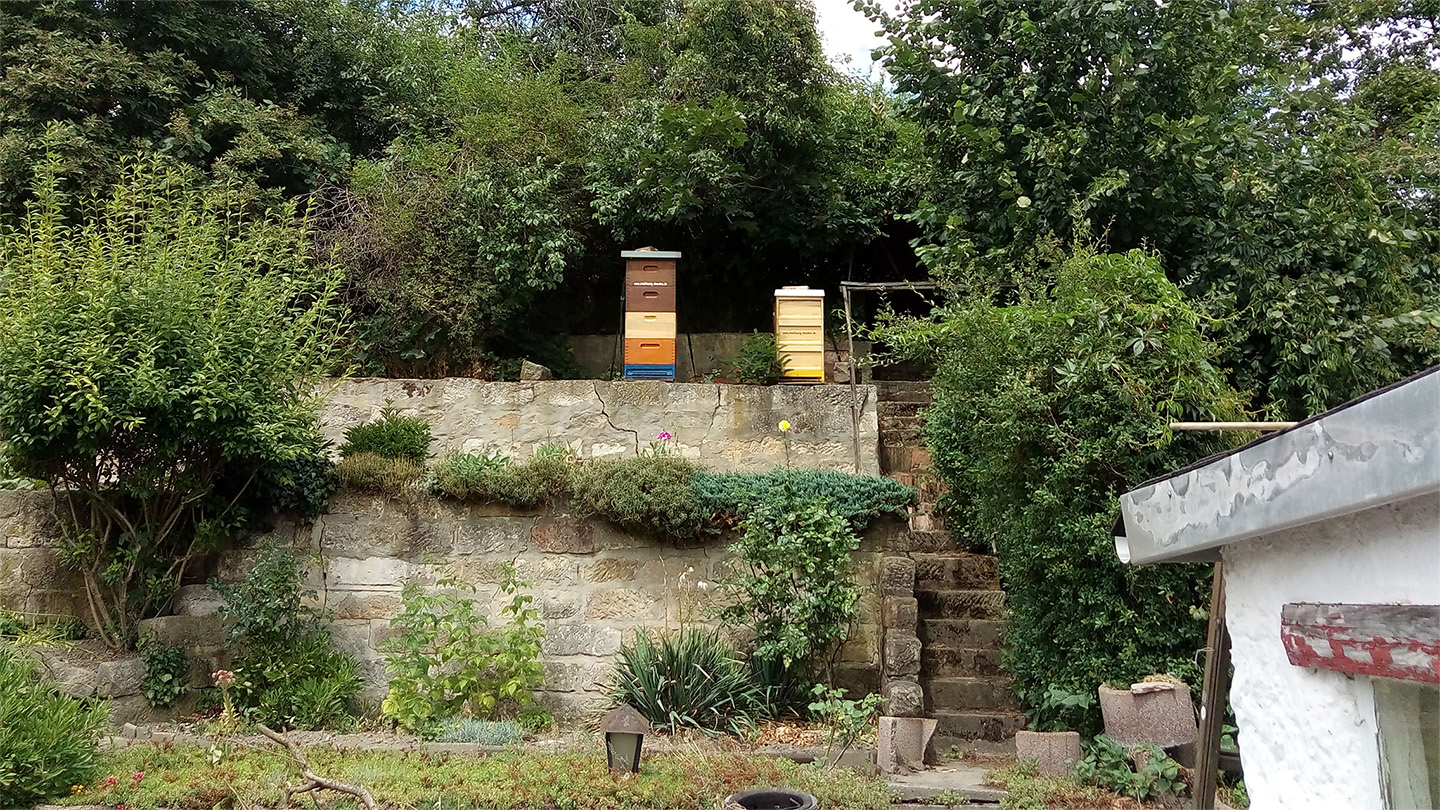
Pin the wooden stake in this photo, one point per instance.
(1212, 697)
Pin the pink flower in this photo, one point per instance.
(665, 436)
(111, 781)
(120, 806)
(138, 776)
(223, 678)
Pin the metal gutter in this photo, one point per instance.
(1378, 449)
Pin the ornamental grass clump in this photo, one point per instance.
(689, 679)
(650, 493)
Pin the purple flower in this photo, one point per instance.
(665, 436)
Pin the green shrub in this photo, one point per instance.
(650, 493)
(447, 659)
(47, 741)
(393, 436)
(167, 672)
(287, 675)
(691, 679)
(793, 580)
(302, 485)
(376, 475)
(845, 720)
(758, 362)
(780, 691)
(10, 478)
(494, 478)
(1048, 406)
(470, 730)
(857, 498)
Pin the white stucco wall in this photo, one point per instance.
(1308, 737)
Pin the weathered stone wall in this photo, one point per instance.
(723, 427)
(594, 586)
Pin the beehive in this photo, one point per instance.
(800, 333)
(650, 314)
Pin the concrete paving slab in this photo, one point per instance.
(957, 780)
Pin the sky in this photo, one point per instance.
(847, 32)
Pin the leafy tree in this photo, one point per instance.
(1223, 135)
(1050, 400)
(155, 357)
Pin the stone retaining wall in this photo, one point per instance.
(723, 427)
(594, 585)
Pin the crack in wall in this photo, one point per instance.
(604, 411)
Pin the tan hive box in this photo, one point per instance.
(800, 333)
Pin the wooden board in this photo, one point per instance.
(645, 325)
(650, 352)
(1389, 641)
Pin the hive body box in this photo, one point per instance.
(800, 333)
(649, 314)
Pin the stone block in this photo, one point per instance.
(563, 535)
(492, 535)
(902, 654)
(611, 569)
(558, 605)
(897, 576)
(197, 600)
(364, 604)
(623, 604)
(900, 744)
(1158, 713)
(901, 613)
(120, 677)
(185, 631)
(903, 698)
(580, 639)
(863, 645)
(576, 676)
(345, 573)
(1056, 752)
(534, 371)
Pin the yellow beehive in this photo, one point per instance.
(800, 333)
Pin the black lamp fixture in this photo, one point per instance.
(624, 730)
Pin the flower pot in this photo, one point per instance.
(1156, 713)
(1055, 752)
(770, 799)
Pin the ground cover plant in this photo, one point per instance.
(187, 779)
(151, 374)
(857, 498)
(47, 740)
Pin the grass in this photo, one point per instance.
(1029, 791)
(184, 778)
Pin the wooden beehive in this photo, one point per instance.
(800, 333)
(650, 314)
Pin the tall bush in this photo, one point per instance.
(156, 354)
(1048, 404)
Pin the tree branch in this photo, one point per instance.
(314, 782)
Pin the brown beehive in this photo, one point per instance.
(650, 319)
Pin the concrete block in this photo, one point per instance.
(904, 698)
(897, 576)
(1056, 752)
(900, 744)
(902, 654)
(1158, 713)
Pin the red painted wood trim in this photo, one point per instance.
(1388, 641)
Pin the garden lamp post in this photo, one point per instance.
(624, 730)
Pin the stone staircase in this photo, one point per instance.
(958, 597)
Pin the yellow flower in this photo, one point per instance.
(784, 425)
(77, 788)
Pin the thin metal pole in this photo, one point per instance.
(1262, 426)
(854, 394)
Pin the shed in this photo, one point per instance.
(1329, 534)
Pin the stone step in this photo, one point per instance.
(963, 662)
(903, 391)
(939, 572)
(961, 604)
(884, 409)
(991, 726)
(957, 634)
(987, 694)
(923, 542)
